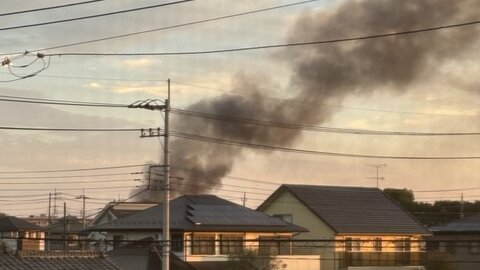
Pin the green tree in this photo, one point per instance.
(249, 259)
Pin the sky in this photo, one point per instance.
(424, 82)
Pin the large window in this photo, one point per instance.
(117, 241)
(274, 245)
(231, 244)
(352, 244)
(177, 242)
(403, 244)
(203, 244)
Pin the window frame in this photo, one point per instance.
(203, 244)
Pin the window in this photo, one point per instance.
(231, 244)
(403, 244)
(203, 244)
(377, 244)
(285, 217)
(117, 241)
(274, 245)
(352, 244)
(474, 247)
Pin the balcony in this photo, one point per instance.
(347, 259)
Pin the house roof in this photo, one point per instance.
(74, 225)
(469, 224)
(201, 213)
(353, 210)
(47, 260)
(14, 224)
(121, 209)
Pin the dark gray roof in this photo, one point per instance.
(201, 213)
(43, 260)
(469, 224)
(355, 210)
(14, 224)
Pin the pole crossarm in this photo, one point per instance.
(149, 104)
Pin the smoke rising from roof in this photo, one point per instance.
(323, 74)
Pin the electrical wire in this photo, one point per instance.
(69, 182)
(93, 16)
(77, 170)
(169, 27)
(70, 189)
(242, 120)
(266, 123)
(73, 129)
(48, 8)
(273, 46)
(200, 138)
(70, 176)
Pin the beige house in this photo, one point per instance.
(350, 227)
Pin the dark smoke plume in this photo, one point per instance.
(323, 74)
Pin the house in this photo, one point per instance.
(206, 229)
(65, 234)
(458, 241)
(41, 220)
(47, 260)
(112, 211)
(350, 226)
(19, 234)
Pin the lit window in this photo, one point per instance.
(377, 244)
(231, 244)
(203, 244)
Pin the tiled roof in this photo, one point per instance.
(14, 224)
(354, 210)
(469, 224)
(201, 213)
(41, 260)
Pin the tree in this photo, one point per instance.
(249, 259)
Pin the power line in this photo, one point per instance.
(69, 182)
(170, 27)
(77, 170)
(69, 176)
(266, 123)
(301, 103)
(93, 16)
(239, 119)
(73, 129)
(95, 78)
(310, 152)
(59, 102)
(49, 8)
(262, 47)
(71, 189)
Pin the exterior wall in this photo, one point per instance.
(286, 203)
(17, 243)
(292, 262)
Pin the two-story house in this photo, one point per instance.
(206, 229)
(350, 226)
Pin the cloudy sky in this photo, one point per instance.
(421, 83)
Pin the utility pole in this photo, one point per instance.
(49, 220)
(55, 202)
(65, 238)
(377, 167)
(83, 210)
(244, 199)
(461, 207)
(153, 105)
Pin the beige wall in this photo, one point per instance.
(286, 203)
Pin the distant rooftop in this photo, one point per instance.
(14, 224)
(469, 224)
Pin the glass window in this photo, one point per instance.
(231, 244)
(203, 244)
(403, 244)
(274, 245)
(474, 247)
(348, 244)
(117, 241)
